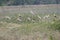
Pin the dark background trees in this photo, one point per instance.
(27, 2)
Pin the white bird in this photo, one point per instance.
(54, 15)
(18, 19)
(33, 21)
(7, 17)
(29, 18)
(39, 17)
(47, 16)
(32, 12)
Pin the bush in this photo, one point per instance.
(56, 25)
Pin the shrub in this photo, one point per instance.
(50, 38)
(56, 25)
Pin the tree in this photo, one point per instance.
(27, 2)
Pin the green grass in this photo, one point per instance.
(56, 25)
(28, 30)
(31, 29)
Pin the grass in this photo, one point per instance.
(56, 25)
(36, 31)
(41, 29)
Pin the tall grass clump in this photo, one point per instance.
(50, 38)
(56, 25)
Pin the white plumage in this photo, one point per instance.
(7, 17)
(47, 16)
(39, 17)
(18, 19)
(32, 12)
(29, 18)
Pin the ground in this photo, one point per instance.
(27, 30)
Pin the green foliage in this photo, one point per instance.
(50, 38)
(56, 25)
(27, 2)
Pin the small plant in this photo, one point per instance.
(50, 38)
(56, 25)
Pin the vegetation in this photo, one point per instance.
(56, 25)
(30, 25)
(40, 30)
(27, 2)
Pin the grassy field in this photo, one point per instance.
(41, 22)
